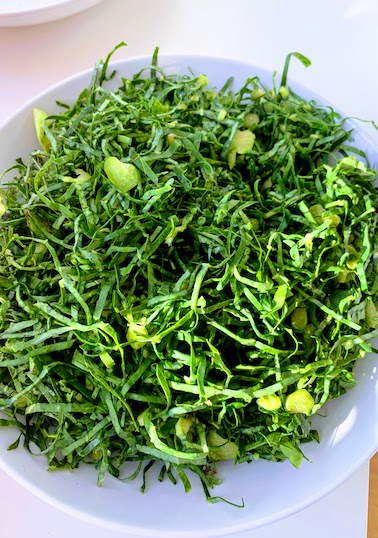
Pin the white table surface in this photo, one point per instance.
(341, 39)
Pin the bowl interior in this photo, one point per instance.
(271, 491)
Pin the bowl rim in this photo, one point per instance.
(40, 14)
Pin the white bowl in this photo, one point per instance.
(28, 12)
(271, 491)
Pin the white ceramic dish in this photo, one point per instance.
(271, 491)
(28, 12)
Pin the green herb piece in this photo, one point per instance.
(271, 402)
(40, 128)
(123, 175)
(220, 448)
(300, 401)
(241, 143)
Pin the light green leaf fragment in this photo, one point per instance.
(202, 81)
(194, 457)
(292, 453)
(39, 124)
(242, 141)
(82, 177)
(183, 426)
(136, 334)
(353, 162)
(250, 120)
(3, 207)
(300, 401)
(106, 359)
(241, 144)
(299, 318)
(284, 92)
(179, 229)
(271, 402)
(371, 314)
(124, 176)
(220, 448)
(158, 107)
(280, 296)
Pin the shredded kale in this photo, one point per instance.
(186, 275)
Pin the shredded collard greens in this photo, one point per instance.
(187, 275)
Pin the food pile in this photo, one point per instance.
(187, 275)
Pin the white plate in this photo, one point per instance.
(27, 12)
(271, 491)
